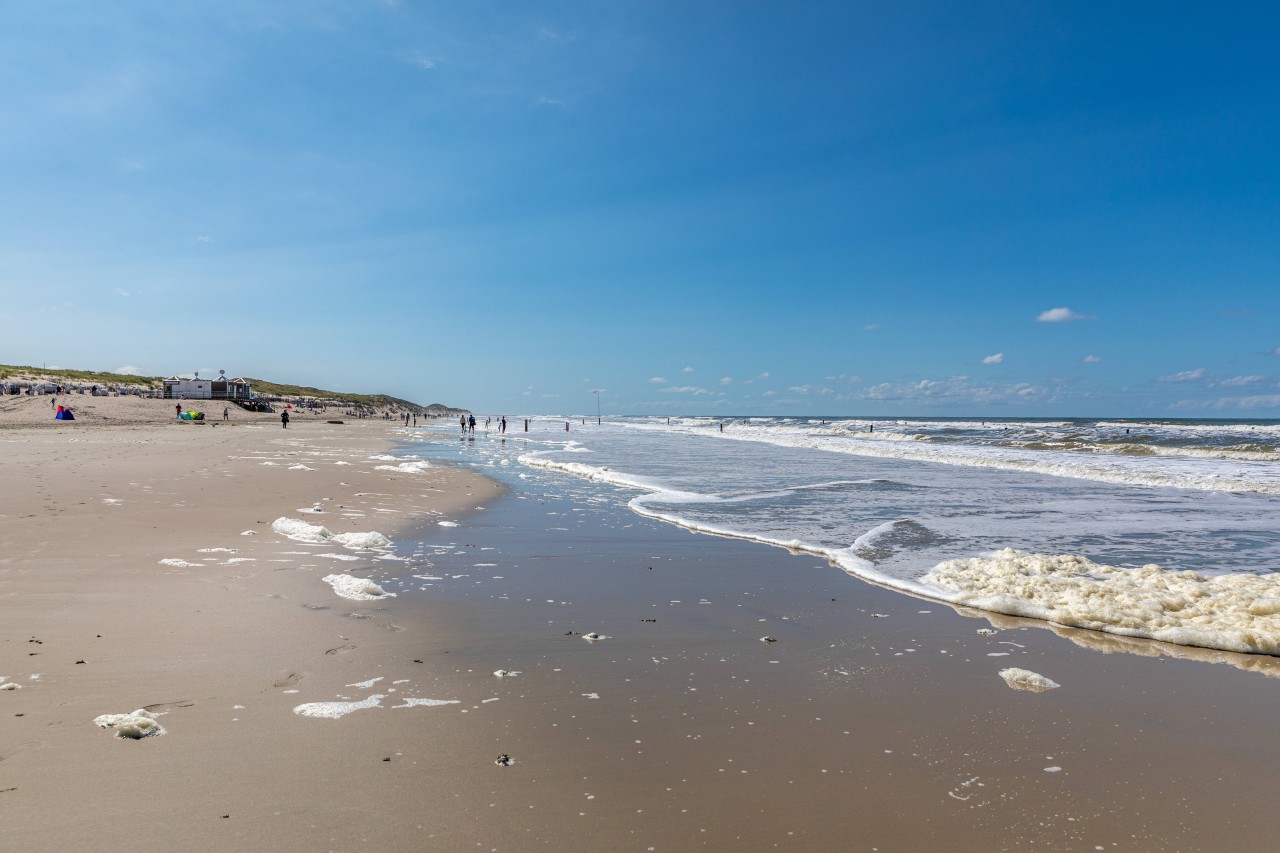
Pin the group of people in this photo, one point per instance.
(468, 423)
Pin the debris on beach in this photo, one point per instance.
(505, 673)
(132, 726)
(988, 632)
(768, 639)
(879, 615)
(504, 760)
(592, 636)
(1025, 679)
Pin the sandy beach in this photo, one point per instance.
(142, 568)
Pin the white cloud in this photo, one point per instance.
(128, 370)
(810, 389)
(871, 327)
(1091, 359)
(684, 389)
(204, 238)
(994, 359)
(957, 389)
(768, 393)
(120, 291)
(1184, 376)
(657, 379)
(1058, 315)
(688, 370)
(1239, 381)
(844, 378)
(1276, 351)
(726, 380)
(423, 62)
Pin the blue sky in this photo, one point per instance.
(725, 207)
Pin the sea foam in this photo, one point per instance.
(356, 589)
(316, 534)
(133, 726)
(1236, 612)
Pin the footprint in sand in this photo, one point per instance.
(346, 647)
(289, 680)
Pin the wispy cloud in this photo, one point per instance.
(1240, 381)
(726, 380)
(1276, 351)
(121, 292)
(1184, 376)
(1091, 359)
(128, 370)
(684, 389)
(958, 390)
(994, 359)
(688, 370)
(871, 327)
(657, 379)
(810, 389)
(1059, 315)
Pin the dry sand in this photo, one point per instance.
(875, 721)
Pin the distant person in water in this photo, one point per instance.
(284, 419)
(462, 422)
(471, 423)
(504, 424)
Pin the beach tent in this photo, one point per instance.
(64, 414)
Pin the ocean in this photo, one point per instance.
(1159, 529)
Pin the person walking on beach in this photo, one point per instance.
(462, 421)
(504, 425)
(471, 423)
(284, 419)
(226, 413)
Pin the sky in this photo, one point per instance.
(829, 208)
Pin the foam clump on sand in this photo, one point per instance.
(405, 467)
(1236, 612)
(181, 564)
(356, 589)
(1025, 679)
(335, 710)
(317, 534)
(371, 541)
(9, 685)
(133, 726)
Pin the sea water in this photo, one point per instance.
(1158, 529)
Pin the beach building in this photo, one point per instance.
(222, 388)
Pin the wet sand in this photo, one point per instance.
(875, 721)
